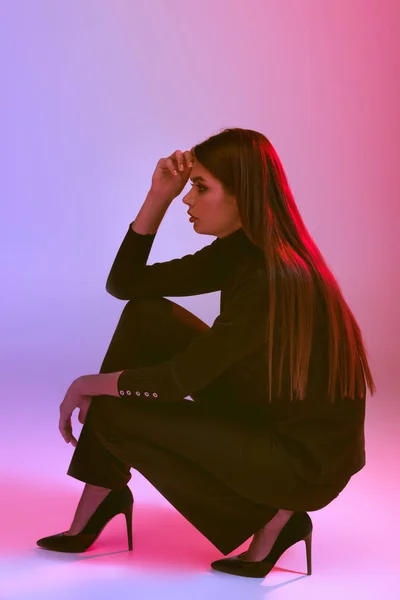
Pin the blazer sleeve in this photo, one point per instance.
(237, 331)
(130, 277)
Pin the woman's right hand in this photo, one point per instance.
(165, 184)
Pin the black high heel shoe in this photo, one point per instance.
(299, 527)
(116, 502)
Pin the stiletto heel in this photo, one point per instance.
(116, 502)
(308, 550)
(299, 527)
(128, 517)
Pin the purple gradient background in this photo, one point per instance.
(93, 94)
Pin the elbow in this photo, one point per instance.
(115, 290)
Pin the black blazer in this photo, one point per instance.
(322, 442)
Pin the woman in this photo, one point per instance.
(278, 383)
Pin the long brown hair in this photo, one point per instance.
(248, 167)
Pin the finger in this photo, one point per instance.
(188, 158)
(82, 416)
(65, 435)
(71, 438)
(180, 160)
(61, 428)
(65, 428)
(171, 166)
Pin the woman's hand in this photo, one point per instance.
(74, 398)
(171, 174)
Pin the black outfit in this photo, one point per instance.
(227, 460)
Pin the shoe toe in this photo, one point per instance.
(236, 566)
(228, 565)
(48, 542)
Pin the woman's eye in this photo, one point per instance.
(198, 187)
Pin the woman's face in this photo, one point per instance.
(215, 211)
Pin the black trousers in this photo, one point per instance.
(195, 453)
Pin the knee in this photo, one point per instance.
(147, 304)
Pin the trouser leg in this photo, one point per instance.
(223, 516)
(148, 332)
(178, 447)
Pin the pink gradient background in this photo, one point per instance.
(93, 94)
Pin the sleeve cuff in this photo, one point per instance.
(153, 383)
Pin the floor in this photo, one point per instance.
(355, 539)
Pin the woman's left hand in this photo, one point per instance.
(74, 398)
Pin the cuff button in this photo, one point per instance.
(128, 392)
(121, 392)
(155, 395)
(137, 393)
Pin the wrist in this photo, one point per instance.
(159, 198)
(101, 384)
